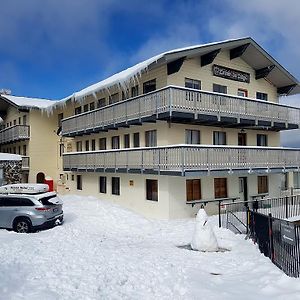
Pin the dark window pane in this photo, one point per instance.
(102, 184)
(135, 91)
(149, 86)
(102, 144)
(115, 142)
(262, 96)
(126, 141)
(78, 110)
(151, 189)
(136, 139)
(115, 185)
(217, 88)
(79, 182)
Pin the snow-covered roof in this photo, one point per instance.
(26, 102)
(255, 56)
(7, 157)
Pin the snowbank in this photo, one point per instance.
(105, 252)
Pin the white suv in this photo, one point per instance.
(27, 207)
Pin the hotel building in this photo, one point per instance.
(184, 127)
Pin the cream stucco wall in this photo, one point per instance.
(191, 68)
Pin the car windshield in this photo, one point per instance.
(50, 200)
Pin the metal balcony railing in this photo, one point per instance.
(25, 163)
(182, 159)
(172, 100)
(14, 133)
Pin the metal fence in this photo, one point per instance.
(269, 222)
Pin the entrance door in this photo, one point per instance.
(243, 188)
(40, 178)
(242, 139)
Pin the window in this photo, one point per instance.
(115, 185)
(59, 118)
(102, 184)
(79, 182)
(135, 91)
(102, 144)
(25, 120)
(87, 145)
(219, 138)
(262, 184)
(24, 150)
(93, 145)
(114, 98)
(149, 86)
(78, 110)
(92, 105)
(15, 122)
(297, 180)
(10, 123)
(14, 150)
(19, 120)
(73, 177)
(79, 146)
(86, 108)
(193, 84)
(193, 189)
(152, 189)
(115, 142)
(101, 102)
(220, 187)
(125, 95)
(19, 150)
(242, 93)
(262, 96)
(136, 139)
(217, 88)
(126, 141)
(150, 138)
(192, 136)
(12, 201)
(262, 140)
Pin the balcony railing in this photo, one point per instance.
(184, 159)
(14, 133)
(176, 102)
(25, 163)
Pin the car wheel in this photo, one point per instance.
(22, 226)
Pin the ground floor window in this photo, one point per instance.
(220, 188)
(102, 184)
(193, 189)
(115, 185)
(152, 189)
(79, 182)
(262, 184)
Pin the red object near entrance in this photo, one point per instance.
(49, 181)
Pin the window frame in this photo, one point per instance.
(152, 190)
(216, 138)
(193, 189)
(102, 184)
(116, 186)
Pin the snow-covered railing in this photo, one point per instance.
(172, 99)
(14, 133)
(25, 162)
(185, 158)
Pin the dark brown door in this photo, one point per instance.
(220, 188)
(242, 139)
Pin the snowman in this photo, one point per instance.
(204, 238)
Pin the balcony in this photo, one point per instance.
(14, 134)
(25, 163)
(186, 160)
(186, 106)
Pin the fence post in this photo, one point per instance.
(247, 219)
(286, 207)
(219, 213)
(271, 247)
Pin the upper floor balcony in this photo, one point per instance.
(14, 134)
(186, 160)
(188, 106)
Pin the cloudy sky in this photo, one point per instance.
(51, 48)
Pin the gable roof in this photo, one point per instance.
(24, 103)
(254, 55)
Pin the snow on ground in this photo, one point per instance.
(103, 251)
